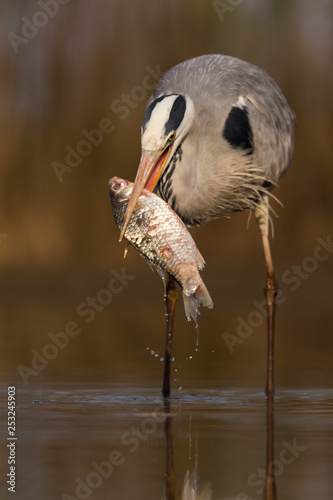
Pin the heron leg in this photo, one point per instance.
(270, 290)
(170, 297)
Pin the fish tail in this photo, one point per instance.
(202, 294)
(192, 302)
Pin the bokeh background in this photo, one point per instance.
(88, 63)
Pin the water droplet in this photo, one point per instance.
(190, 357)
(173, 358)
(152, 352)
(161, 358)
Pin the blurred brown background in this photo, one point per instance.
(87, 63)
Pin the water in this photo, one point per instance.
(94, 439)
(91, 422)
(59, 251)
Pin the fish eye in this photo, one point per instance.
(117, 185)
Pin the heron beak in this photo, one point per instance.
(150, 169)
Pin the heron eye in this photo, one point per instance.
(172, 137)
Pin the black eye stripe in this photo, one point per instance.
(176, 115)
(149, 111)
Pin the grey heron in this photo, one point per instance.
(217, 134)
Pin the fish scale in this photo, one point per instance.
(161, 237)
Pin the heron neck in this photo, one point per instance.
(188, 189)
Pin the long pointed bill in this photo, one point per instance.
(150, 169)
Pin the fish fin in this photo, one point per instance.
(192, 302)
(192, 308)
(150, 264)
(200, 260)
(152, 267)
(202, 295)
(161, 272)
(164, 276)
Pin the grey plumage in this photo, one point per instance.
(212, 177)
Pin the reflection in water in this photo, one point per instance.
(75, 431)
(191, 490)
(270, 486)
(170, 475)
(191, 486)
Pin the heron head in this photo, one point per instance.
(166, 123)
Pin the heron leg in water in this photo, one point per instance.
(270, 290)
(270, 485)
(170, 297)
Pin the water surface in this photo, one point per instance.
(99, 440)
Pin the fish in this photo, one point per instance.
(162, 238)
